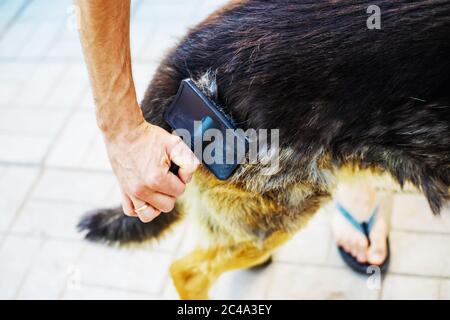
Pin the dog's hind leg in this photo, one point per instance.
(194, 274)
(242, 228)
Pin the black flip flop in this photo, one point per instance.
(364, 228)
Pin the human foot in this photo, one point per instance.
(360, 201)
(356, 243)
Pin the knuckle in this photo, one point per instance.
(176, 139)
(139, 190)
(178, 192)
(154, 180)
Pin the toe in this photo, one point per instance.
(377, 251)
(344, 244)
(361, 245)
(357, 248)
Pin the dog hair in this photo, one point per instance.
(344, 98)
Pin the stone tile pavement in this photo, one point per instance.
(53, 168)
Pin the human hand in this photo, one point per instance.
(141, 158)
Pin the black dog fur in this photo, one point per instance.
(338, 92)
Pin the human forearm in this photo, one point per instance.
(105, 38)
(140, 153)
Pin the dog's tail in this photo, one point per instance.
(112, 226)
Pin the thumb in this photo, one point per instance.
(183, 157)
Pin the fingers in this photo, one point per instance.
(153, 205)
(182, 156)
(164, 182)
(159, 201)
(127, 206)
(143, 171)
(147, 214)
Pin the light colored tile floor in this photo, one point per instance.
(53, 168)
(406, 287)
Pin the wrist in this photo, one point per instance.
(121, 125)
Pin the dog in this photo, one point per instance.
(346, 99)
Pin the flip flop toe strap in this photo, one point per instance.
(363, 227)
